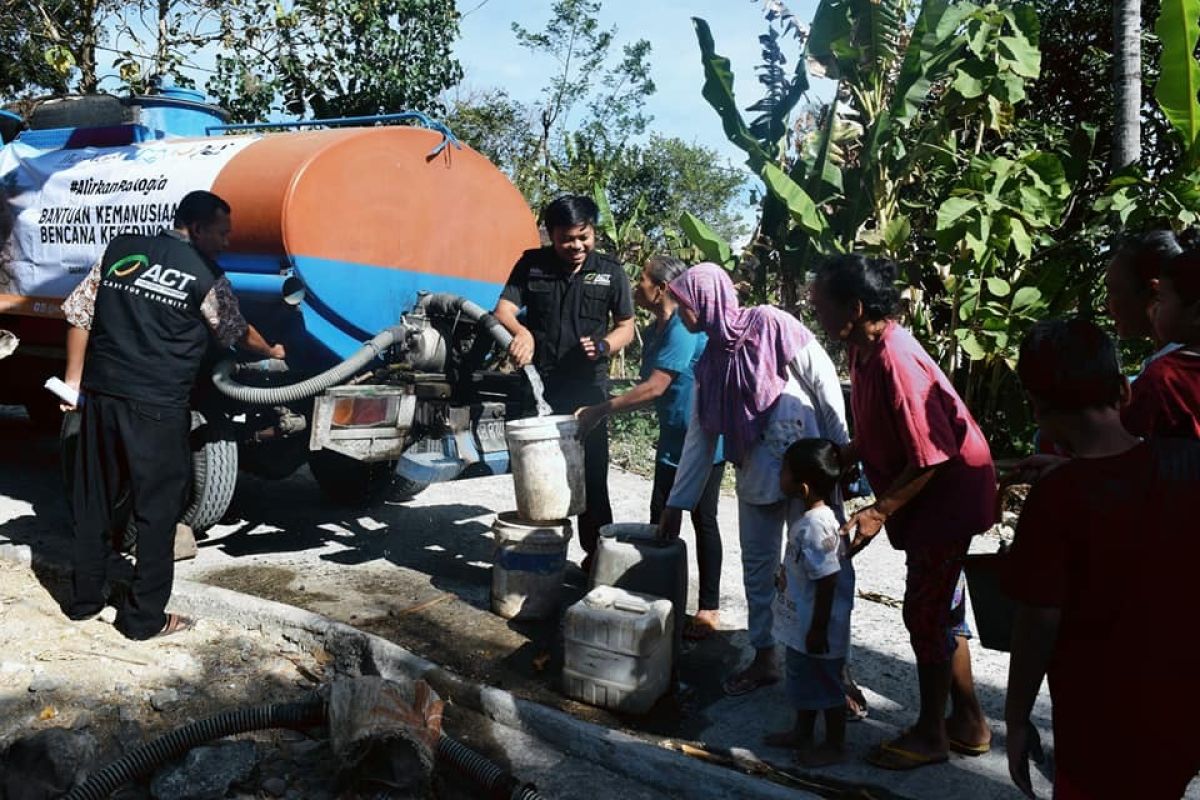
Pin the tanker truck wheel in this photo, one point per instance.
(214, 476)
(214, 473)
(359, 483)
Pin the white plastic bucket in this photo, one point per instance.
(528, 566)
(547, 467)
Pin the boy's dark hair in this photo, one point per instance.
(1183, 271)
(1147, 254)
(872, 281)
(199, 208)
(569, 211)
(815, 462)
(1070, 365)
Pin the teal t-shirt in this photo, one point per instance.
(676, 350)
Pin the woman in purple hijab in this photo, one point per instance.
(762, 383)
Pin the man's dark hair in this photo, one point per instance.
(872, 281)
(815, 462)
(1070, 365)
(199, 208)
(1147, 253)
(569, 211)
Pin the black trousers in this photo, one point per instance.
(126, 446)
(565, 400)
(704, 520)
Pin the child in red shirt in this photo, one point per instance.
(1102, 568)
(1166, 396)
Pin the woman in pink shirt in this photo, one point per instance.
(935, 488)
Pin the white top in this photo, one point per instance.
(811, 406)
(816, 549)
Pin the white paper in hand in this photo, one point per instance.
(62, 391)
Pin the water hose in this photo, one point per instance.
(500, 785)
(444, 304)
(143, 760)
(282, 395)
(313, 711)
(440, 304)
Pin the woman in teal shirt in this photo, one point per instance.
(669, 353)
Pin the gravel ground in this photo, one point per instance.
(418, 573)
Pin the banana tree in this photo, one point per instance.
(911, 159)
(765, 139)
(1134, 199)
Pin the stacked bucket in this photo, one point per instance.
(623, 638)
(531, 543)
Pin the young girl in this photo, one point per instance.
(812, 611)
(1166, 396)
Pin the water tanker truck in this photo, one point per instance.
(369, 251)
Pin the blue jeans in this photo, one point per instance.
(760, 529)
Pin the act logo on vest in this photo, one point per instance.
(166, 285)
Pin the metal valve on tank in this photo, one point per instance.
(425, 348)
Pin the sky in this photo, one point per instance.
(491, 57)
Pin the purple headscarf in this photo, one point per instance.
(744, 368)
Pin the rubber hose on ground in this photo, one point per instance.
(281, 395)
(151, 755)
(499, 784)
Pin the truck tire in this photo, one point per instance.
(348, 482)
(214, 476)
(214, 473)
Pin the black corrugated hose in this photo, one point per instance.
(498, 783)
(143, 760)
(501, 785)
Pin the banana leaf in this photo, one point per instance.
(606, 223)
(706, 240)
(930, 52)
(718, 91)
(1179, 28)
(831, 52)
(856, 39)
(799, 204)
(824, 178)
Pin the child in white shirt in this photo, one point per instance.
(812, 606)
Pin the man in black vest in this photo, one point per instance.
(569, 293)
(141, 323)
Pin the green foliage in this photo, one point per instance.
(1179, 81)
(712, 246)
(50, 47)
(583, 137)
(613, 92)
(1166, 193)
(634, 441)
(916, 159)
(329, 58)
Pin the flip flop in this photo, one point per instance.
(739, 684)
(856, 711)
(972, 750)
(176, 623)
(889, 756)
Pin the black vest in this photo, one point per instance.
(148, 335)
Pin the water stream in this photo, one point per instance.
(539, 391)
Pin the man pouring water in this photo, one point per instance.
(578, 311)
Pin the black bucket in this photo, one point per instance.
(994, 610)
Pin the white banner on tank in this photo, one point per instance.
(67, 205)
